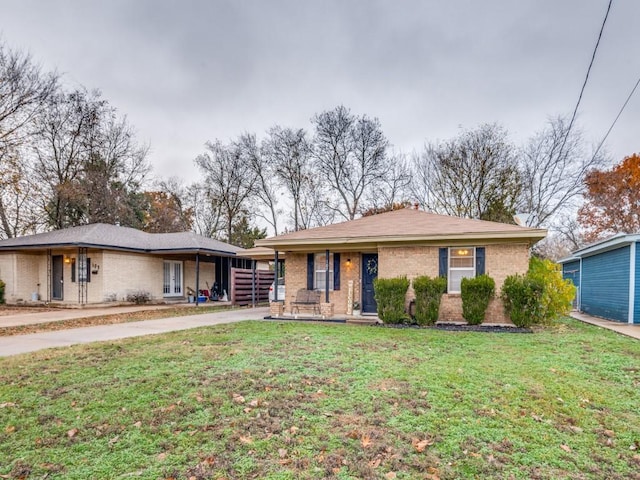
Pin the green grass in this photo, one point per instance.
(286, 400)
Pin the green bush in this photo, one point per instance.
(522, 298)
(2, 285)
(390, 294)
(428, 294)
(476, 294)
(558, 292)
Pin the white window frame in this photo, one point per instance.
(319, 271)
(471, 270)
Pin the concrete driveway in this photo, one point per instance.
(18, 344)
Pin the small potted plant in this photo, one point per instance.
(356, 308)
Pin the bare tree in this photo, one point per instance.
(265, 188)
(289, 153)
(24, 90)
(474, 175)
(66, 128)
(207, 210)
(229, 184)
(553, 171)
(350, 154)
(114, 173)
(394, 187)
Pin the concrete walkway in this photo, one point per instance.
(18, 344)
(629, 329)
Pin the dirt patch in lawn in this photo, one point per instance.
(102, 319)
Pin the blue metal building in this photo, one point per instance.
(608, 278)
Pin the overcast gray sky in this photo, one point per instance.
(185, 72)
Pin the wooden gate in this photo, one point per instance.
(242, 286)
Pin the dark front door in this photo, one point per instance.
(56, 277)
(369, 274)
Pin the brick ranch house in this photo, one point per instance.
(343, 259)
(98, 263)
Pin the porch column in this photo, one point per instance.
(327, 276)
(276, 268)
(253, 283)
(197, 278)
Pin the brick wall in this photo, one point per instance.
(296, 278)
(501, 260)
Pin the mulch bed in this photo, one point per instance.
(458, 327)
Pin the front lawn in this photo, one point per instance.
(285, 400)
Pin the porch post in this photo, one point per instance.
(197, 278)
(253, 283)
(326, 279)
(276, 269)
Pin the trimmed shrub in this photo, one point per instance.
(390, 294)
(476, 294)
(2, 285)
(558, 292)
(522, 298)
(428, 291)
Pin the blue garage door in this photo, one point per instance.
(605, 284)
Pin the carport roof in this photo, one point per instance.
(114, 237)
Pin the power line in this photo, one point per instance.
(586, 79)
(617, 117)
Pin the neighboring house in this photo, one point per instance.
(98, 263)
(343, 259)
(608, 278)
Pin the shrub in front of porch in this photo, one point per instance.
(476, 294)
(390, 294)
(428, 293)
(522, 298)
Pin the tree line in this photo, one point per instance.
(68, 158)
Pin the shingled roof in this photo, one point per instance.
(402, 226)
(113, 237)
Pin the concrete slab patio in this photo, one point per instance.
(17, 344)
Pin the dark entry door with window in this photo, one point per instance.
(369, 274)
(57, 263)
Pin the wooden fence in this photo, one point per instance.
(242, 286)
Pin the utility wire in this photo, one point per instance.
(586, 79)
(617, 117)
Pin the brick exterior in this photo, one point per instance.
(119, 273)
(501, 260)
(296, 278)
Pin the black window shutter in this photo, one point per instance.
(336, 271)
(444, 260)
(88, 269)
(73, 269)
(443, 267)
(479, 261)
(310, 271)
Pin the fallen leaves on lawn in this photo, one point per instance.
(365, 441)
(566, 448)
(7, 404)
(72, 433)
(420, 445)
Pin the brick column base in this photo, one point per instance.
(276, 309)
(326, 309)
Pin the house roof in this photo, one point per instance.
(261, 253)
(402, 226)
(113, 237)
(611, 243)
